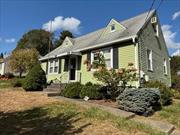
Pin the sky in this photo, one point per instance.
(81, 17)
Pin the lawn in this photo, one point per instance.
(5, 84)
(34, 113)
(170, 113)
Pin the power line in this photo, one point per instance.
(159, 4)
(150, 9)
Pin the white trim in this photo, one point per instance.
(112, 57)
(151, 60)
(53, 66)
(165, 66)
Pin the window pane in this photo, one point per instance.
(55, 69)
(51, 69)
(108, 63)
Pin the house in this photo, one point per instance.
(1, 66)
(138, 39)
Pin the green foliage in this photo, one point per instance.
(72, 90)
(175, 67)
(175, 93)
(91, 90)
(62, 36)
(112, 78)
(35, 79)
(17, 82)
(1, 55)
(140, 101)
(38, 39)
(166, 94)
(9, 75)
(23, 60)
(89, 84)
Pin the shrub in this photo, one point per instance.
(141, 101)
(35, 79)
(17, 82)
(175, 93)
(9, 75)
(72, 90)
(166, 94)
(89, 84)
(92, 91)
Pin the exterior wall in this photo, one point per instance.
(1, 68)
(148, 40)
(126, 54)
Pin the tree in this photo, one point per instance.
(35, 79)
(175, 68)
(1, 55)
(38, 39)
(62, 36)
(22, 60)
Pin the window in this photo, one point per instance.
(56, 65)
(112, 28)
(165, 66)
(156, 29)
(53, 66)
(149, 59)
(107, 52)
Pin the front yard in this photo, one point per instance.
(34, 113)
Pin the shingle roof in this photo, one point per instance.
(132, 25)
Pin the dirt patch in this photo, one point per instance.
(18, 100)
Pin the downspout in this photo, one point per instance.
(136, 63)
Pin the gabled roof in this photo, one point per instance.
(95, 39)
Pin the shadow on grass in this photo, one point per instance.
(38, 122)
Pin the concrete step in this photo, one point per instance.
(52, 89)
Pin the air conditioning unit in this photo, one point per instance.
(154, 20)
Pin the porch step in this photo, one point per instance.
(51, 89)
(52, 93)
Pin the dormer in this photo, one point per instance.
(113, 26)
(67, 41)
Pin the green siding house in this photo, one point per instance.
(138, 40)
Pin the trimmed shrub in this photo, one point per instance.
(89, 84)
(72, 90)
(17, 82)
(140, 101)
(35, 79)
(166, 94)
(92, 91)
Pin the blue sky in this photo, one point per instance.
(20, 16)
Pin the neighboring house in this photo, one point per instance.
(1, 66)
(133, 40)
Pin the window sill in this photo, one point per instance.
(150, 70)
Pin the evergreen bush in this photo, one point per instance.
(141, 101)
(35, 79)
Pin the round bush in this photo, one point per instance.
(92, 91)
(35, 79)
(72, 90)
(140, 101)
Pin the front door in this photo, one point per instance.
(72, 69)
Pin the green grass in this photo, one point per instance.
(127, 125)
(61, 118)
(171, 113)
(5, 84)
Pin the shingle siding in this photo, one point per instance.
(148, 40)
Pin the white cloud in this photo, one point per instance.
(170, 37)
(176, 53)
(61, 23)
(176, 15)
(10, 40)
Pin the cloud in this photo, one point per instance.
(176, 15)
(176, 53)
(60, 23)
(10, 40)
(170, 37)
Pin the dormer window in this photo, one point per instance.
(112, 28)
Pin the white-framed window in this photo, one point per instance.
(112, 27)
(165, 66)
(108, 56)
(149, 60)
(156, 29)
(53, 66)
